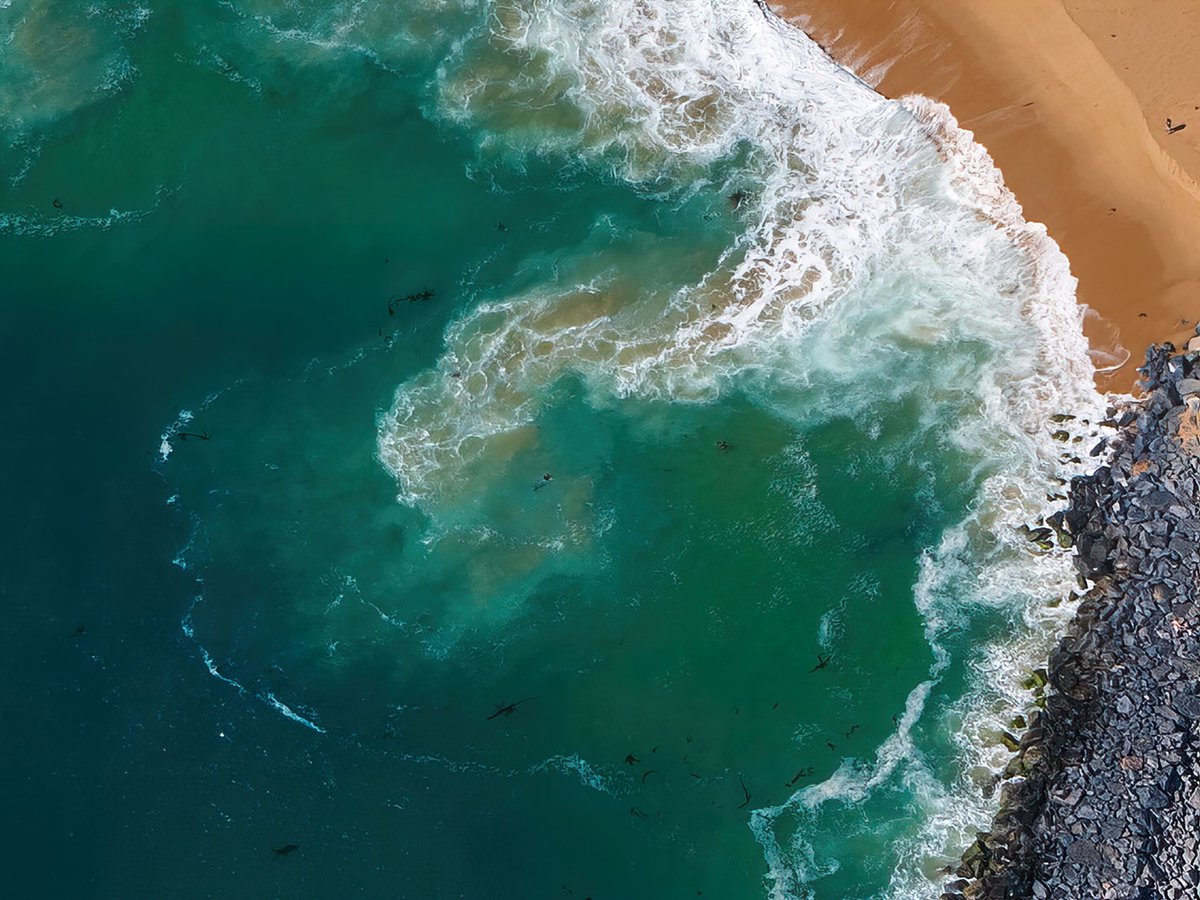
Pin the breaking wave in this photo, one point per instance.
(879, 260)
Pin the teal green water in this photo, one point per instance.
(790, 386)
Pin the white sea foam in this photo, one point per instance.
(165, 449)
(52, 69)
(858, 197)
(36, 224)
(32, 152)
(128, 17)
(831, 625)
(589, 776)
(793, 867)
(189, 632)
(211, 60)
(184, 417)
(877, 235)
(275, 703)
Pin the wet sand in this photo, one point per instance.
(1070, 97)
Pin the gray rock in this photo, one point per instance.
(1105, 801)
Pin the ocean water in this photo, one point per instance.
(511, 448)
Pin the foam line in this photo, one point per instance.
(275, 703)
(189, 630)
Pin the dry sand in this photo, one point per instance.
(1070, 97)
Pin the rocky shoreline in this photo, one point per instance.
(1103, 798)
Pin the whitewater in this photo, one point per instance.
(872, 229)
(838, 280)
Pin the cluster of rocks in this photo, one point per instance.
(1104, 795)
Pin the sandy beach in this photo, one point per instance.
(1071, 99)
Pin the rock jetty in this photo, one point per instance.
(1103, 798)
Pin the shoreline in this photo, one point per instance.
(1070, 135)
(1103, 797)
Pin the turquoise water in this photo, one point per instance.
(376, 368)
